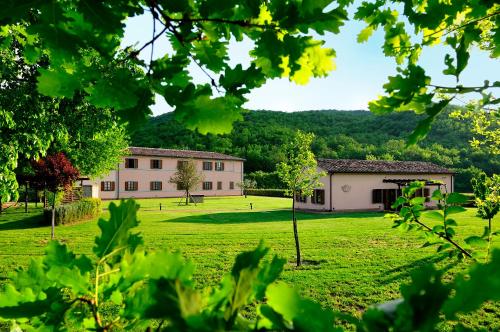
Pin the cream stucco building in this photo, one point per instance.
(363, 185)
(145, 173)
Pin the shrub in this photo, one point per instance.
(73, 212)
(266, 192)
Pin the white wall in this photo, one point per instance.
(359, 186)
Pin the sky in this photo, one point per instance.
(361, 71)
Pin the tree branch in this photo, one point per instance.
(463, 25)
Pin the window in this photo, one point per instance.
(180, 186)
(156, 164)
(131, 163)
(181, 164)
(318, 197)
(219, 185)
(300, 198)
(207, 165)
(207, 185)
(107, 185)
(219, 166)
(131, 185)
(377, 196)
(231, 185)
(155, 185)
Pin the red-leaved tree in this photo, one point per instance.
(55, 172)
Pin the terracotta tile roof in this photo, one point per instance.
(380, 166)
(154, 152)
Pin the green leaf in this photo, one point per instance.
(437, 195)
(451, 222)
(435, 215)
(417, 201)
(115, 233)
(423, 299)
(454, 209)
(212, 54)
(365, 34)
(57, 83)
(483, 284)
(210, 115)
(456, 198)
(119, 90)
(303, 314)
(476, 241)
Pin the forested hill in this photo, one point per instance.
(339, 134)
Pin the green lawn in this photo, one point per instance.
(362, 260)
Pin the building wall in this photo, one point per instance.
(358, 190)
(143, 174)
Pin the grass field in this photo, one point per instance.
(362, 260)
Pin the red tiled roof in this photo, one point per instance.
(139, 151)
(380, 166)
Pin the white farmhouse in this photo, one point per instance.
(363, 185)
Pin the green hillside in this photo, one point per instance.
(339, 134)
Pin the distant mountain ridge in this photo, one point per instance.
(339, 134)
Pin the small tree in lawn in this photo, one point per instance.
(487, 197)
(187, 177)
(246, 185)
(299, 173)
(55, 172)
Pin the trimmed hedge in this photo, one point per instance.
(266, 192)
(69, 213)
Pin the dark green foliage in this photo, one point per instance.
(86, 208)
(265, 180)
(349, 135)
(267, 192)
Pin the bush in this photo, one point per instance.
(266, 192)
(69, 213)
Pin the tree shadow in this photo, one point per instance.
(403, 272)
(33, 221)
(261, 216)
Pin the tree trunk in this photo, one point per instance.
(52, 234)
(44, 196)
(187, 197)
(1, 207)
(26, 197)
(295, 232)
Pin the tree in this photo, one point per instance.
(32, 125)
(187, 177)
(246, 185)
(55, 172)
(485, 125)
(487, 198)
(300, 174)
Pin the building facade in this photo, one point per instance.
(371, 185)
(146, 172)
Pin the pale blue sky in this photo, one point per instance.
(361, 71)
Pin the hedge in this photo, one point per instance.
(266, 192)
(69, 213)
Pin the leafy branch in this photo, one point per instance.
(411, 207)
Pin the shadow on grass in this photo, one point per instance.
(263, 216)
(403, 272)
(30, 221)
